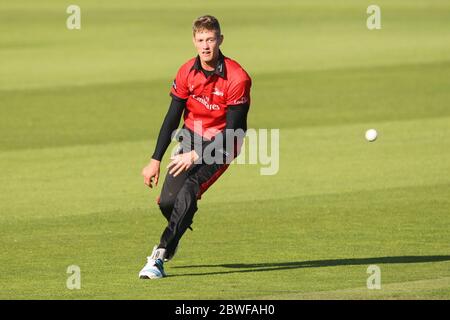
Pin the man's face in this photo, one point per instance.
(207, 44)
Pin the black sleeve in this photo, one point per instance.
(171, 122)
(236, 118)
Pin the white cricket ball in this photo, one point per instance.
(371, 135)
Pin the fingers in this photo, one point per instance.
(176, 167)
(156, 179)
(175, 159)
(150, 183)
(146, 180)
(182, 168)
(173, 162)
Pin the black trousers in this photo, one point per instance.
(178, 200)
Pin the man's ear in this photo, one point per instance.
(220, 39)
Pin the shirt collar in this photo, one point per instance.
(220, 67)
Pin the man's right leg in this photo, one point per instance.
(198, 180)
(169, 192)
(170, 189)
(154, 268)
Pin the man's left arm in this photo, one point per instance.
(238, 104)
(234, 133)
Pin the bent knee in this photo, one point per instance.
(166, 204)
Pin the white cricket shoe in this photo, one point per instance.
(154, 268)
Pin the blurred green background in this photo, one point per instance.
(79, 115)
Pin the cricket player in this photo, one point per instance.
(212, 93)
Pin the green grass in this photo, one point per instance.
(80, 111)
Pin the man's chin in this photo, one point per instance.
(207, 59)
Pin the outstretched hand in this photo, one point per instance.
(182, 162)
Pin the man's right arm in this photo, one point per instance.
(180, 94)
(170, 124)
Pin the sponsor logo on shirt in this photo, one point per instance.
(205, 101)
(241, 100)
(217, 92)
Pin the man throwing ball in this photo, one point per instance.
(212, 93)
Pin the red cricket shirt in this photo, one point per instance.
(208, 97)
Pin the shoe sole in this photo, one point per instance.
(149, 278)
(146, 276)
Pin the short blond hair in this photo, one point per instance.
(206, 22)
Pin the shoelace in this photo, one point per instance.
(158, 263)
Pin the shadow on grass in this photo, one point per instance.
(258, 267)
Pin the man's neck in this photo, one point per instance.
(211, 65)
